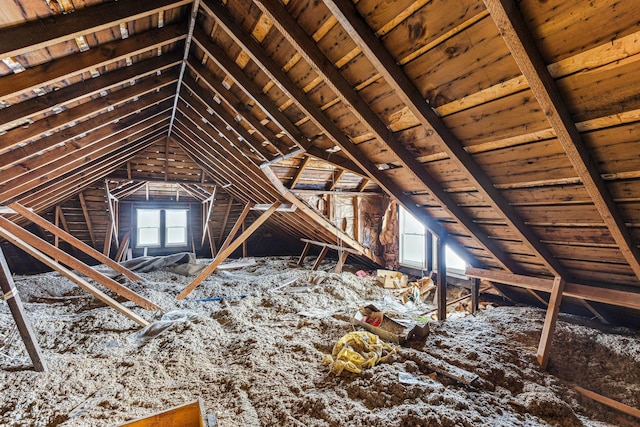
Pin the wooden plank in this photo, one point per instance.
(87, 219)
(37, 219)
(342, 258)
(50, 30)
(68, 66)
(331, 246)
(441, 281)
(236, 226)
(72, 276)
(475, 294)
(304, 253)
(124, 246)
(544, 348)
(222, 255)
(604, 295)
(12, 297)
(323, 253)
(525, 52)
(629, 410)
(379, 56)
(64, 258)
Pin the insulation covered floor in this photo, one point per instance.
(256, 361)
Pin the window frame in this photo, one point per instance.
(162, 229)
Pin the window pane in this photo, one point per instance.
(176, 236)
(176, 217)
(408, 224)
(454, 261)
(148, 217)
(412, 249)
(148, 236)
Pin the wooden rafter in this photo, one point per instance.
(516, 35)
(54, 29)
(317, 117)
(16, 114)
(236, 226)
(68, 66)
(372, 47)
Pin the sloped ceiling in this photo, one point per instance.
(511, 129)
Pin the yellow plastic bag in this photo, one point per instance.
(357, 351)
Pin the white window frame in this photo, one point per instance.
(185, 228)
(162, 229)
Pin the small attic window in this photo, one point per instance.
(413, 237)
(161, 228)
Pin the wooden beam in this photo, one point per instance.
(441, 281)
(87, 219)
(342, 258)
(68, 260)
(124, 246)
(524, 51)
(236, 226)
(323, 253)
(630, 299)
(195, 4)
(475, 294)
(304, 253)
(282, 80)
(212, 240)
(207, 217)
(549, 327)
(38, 220)
(338, 248)
(12, 297)
(337, 176)
(68, 66)
(394, 75)
(50, 30)
(225, 219)
(296, 177)
(72, 276)
(629, 410)
(14, 115)
(222, 255)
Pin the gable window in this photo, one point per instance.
(413, 237)
(161, 228)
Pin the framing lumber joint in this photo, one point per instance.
(228, 250)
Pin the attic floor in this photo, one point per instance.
(256, 362)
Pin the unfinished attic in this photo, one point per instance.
(320, 213)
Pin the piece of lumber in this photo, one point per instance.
(304, 253)
(630, 299)
(222, 255)
(323, 253)
(440, 366)
(544, 348)
(72, 276)
(330, 246)
(342, 258)
(12, 297)
(475, 294)
(95, 254)
(124, 246)
(236, 226)
(441, 280)
(629, 410)
(66, 259)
